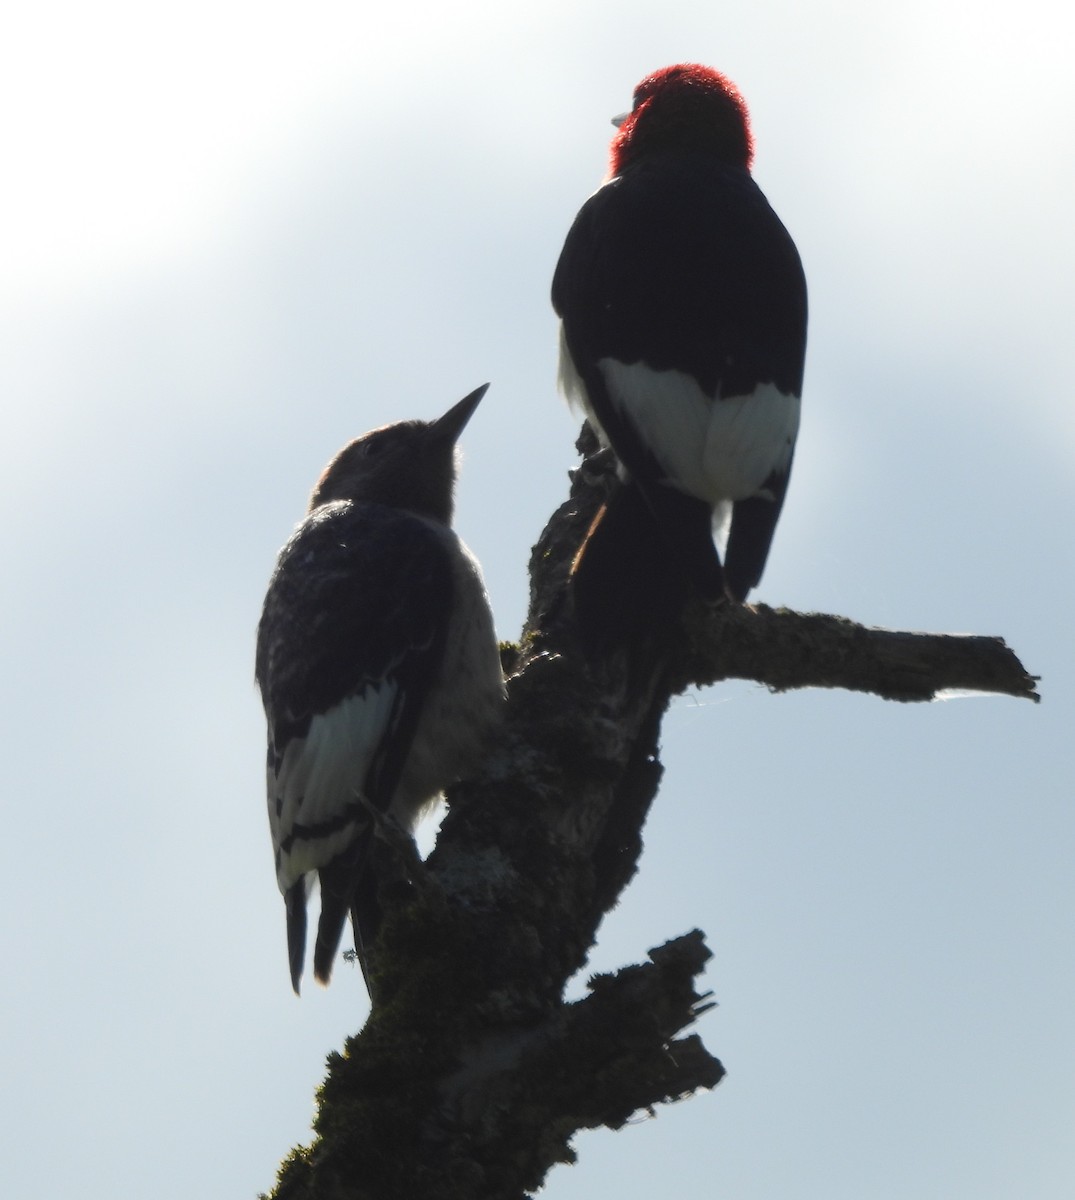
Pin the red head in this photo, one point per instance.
(688, 106)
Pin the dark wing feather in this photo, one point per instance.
(356, 610)
(685, 237)
(359, 592)
(681, 263)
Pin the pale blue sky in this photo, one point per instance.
(235, 236)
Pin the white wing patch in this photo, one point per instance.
(717, 449)
(572, 387)
(320, 779)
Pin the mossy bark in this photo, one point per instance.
(472, 1074)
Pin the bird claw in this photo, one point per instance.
(389, 830)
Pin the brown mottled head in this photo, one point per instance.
(688, 107)
(409, 465)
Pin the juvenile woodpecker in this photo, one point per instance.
(683, 332)
(378, 669)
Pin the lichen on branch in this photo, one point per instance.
(473, 1073)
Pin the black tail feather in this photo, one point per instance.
(644, 552)
(295, 904)
(350, 885)
(337, 885)
(750, 536)
(366, 917)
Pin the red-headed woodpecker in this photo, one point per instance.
(683, 331)
(378, 668)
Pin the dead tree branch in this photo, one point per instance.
(472, 1073)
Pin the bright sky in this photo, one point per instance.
(233, 237)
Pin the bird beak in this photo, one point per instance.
(451, 425)
(620, 118)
